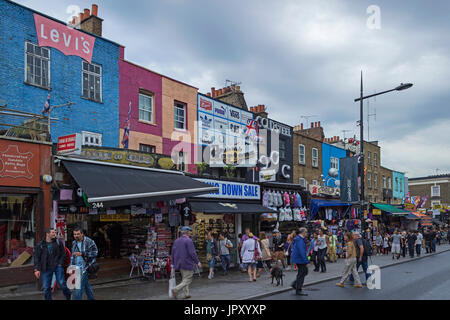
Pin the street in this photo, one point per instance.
(425, 279)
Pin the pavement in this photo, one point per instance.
(234, 286)
(423, 279)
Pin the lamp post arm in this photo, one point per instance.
(373, 95)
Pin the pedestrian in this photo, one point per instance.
(224, 251)
(278, 247)
(448, 236)
(428, 239)
(314, 251)
(379, 243)
(251, 253)
(300, 258)
(340, 244)
(287, 251)
(332, 246)
(433, 240)
(49, 256)
(265, 250)
(350, 263)
(184, 258)
(419, 241)
(411, 241)
(322, 250)
(212, 253)
(386, 244)
(361, 256)
(396, 244)
(403, 244)
(84, 254)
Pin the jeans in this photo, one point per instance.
(47, 282)
(411, 251)
(321, 258)
(433, 245)
(225, 259)
(315, 260)
(85, 287)
(364, 264)
(418, 249)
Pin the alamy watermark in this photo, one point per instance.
(374, 281)
(374, 20)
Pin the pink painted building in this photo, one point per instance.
(163, 113)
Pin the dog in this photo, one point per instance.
(277, 273)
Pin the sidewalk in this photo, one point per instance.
(234, 286)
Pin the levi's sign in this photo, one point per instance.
(69, 41)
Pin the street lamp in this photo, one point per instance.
(402, 86)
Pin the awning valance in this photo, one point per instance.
(119, 185)
(390, 209)
(225, 207)
(316, 204)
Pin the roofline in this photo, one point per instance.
(62, 22)
(308, 137)
(447, 175)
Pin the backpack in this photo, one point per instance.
(368, 249)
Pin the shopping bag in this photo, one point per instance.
(172, 282)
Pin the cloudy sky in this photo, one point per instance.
(304, 58)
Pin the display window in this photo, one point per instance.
(17, 229)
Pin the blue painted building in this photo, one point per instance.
(398, 185)
(330, 159)
(29, 72)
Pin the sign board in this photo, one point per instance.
(68, 40)
(330, 191)
(409, 206)
(376, 212)
(437, 206)
(232, 190)
(114, 217)
(69, 144)
(267, 175)
(15, 164)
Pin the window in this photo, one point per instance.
(368, 157)
(334, 163)
(92, 81)
(147, 148)
(401, 185)
(375, 185)
(301, 154)
(315, 182)
(396, 185)
(375, 199)
(180, 116)
(91, 139)
(282, 149)
(146, 107)
(370, 198)
(181, 163)
(389, 183)
(384, 182)
(436, 191)
(37, 65)
(375, 160)
(435, 203)
(302, 182)
(315, 157)
(369, 180)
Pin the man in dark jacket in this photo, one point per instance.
(299, 256)
(49, 257)
(411, 241)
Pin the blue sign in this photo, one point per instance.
(232, 190)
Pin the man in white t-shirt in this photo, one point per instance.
(419, 242)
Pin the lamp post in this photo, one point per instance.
(361, 124)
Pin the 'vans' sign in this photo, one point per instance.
(69, 41)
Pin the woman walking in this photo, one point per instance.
(265, 250)
(386, 244)
(379, 243)
(251, 253)
(350, 263)
(212, 253)
(323, 249)
(288, 251)
(313, 251)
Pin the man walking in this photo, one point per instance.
(49, 259)
(224, 250)
(419, 241)
(184, 258)
(411, 241)
(84, 254)
(299, 256)
(428, 238)
(396, 244)
(361, 256)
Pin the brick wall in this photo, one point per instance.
(306, 171)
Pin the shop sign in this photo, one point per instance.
(409, 206)
(15, 164)
(376, 212)
(437, 206)
(232, 190)
(205, 104)
(66, 39)
(114, 217)
(271, 125)
(70, 143)
(329, 191)
(267, 175)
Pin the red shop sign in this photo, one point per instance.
(15, 164)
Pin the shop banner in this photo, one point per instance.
(232, 190)
(349, 179)
(376, 212)
(409, 206)
(114, 217)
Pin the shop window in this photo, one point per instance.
(17, 229)
(384, 182)
(315, 157)
(375, 160)
(436, 191)
(91, 139)
(389, 183)
(92, 81)
(315, 183)
(301, 154)
(37, 65)
(146, 107)
(147, 148)
(180, 116)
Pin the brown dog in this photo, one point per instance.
(278, 256)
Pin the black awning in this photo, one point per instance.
(225, 206)
(120, 185)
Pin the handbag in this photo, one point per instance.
(256, 253)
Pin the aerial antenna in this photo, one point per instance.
(232, 83)
(307, 118)
(344, 131)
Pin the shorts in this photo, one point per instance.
(212, 263)
(396, 248)
(251, 265)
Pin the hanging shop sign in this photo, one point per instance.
(409, 206)
(114, 217)
(15, 164)
(376, 212)
(66, 39)
(232, 190)
(69, 144)
(329, 191)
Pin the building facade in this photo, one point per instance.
(436, 189)
(330, 159)
(398, 186)
(386, 185)
(46, 57)
(372, 163)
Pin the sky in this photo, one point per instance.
(303, 58)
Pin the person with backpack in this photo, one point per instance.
(363, 251)
(49, 259)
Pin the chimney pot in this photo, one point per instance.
(302, 126)
(209, 94)
(213, 91)
(319, 124)
(312, 124)
(94, 10)
(238, 88)
(80, 17)
(87, 13)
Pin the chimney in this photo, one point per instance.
(319, 124)
(312, 124)
(301, 126)
(209, 94)
(91, 22)
(213, 92)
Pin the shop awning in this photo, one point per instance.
(225, 207)
(391, 209)
(121, 185)
(316, 204)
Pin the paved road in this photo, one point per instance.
(426, 279)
